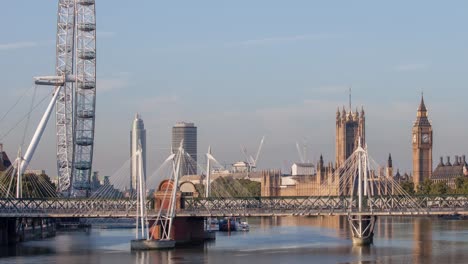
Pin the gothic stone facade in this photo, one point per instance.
(422, 146)
(350, 131)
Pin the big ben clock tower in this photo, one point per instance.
(422, 146)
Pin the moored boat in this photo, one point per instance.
(244, 226)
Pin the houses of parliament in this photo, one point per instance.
(350, 132)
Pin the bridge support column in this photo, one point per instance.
(185, 230)
(362, 229)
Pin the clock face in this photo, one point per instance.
(425, 138)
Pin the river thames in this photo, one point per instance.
(270, 240)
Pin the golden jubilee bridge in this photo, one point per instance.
(420, 205)
(363, 195)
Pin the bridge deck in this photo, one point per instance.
(256, 206)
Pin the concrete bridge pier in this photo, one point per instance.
(15, 230)
(185, 230)
(362, 229)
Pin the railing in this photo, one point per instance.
(334, 205)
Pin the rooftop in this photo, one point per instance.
(184, 124)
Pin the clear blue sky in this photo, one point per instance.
(244, 69)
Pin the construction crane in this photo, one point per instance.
(251, 161)
(303, 150)
(302, 153)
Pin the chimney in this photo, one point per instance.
(456, 161)
(448, 161)
(441, 163)
(1, 147)
(463, 159)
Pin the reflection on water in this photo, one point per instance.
(270, 240)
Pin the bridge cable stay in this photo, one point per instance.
(25, 116)
(338, 182)
(25, 92)
(226, 187)
(10, 174)
(167, 206)
(8, 177)
(385, 191)
(117, 181)
(333, 187)
(108, 198)
(34, 186)
(239, 205)
(393, 196)
(222, 187)
(229, 189)
(211, 186)
(24, 161)
(9, 204)
(209, 181)
(37, 187)
(160, 173)
(29, 116)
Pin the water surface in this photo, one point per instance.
(270, 240)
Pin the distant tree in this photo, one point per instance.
(425, 187)
(253, 187)
(439, 188)
(200, 189)
(230, 187)
(33, 186)
(461, 185)
(459, 181)
(408, 187)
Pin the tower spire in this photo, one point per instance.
(422, 106)
(350, 99)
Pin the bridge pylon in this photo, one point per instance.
(362, 224)
(145, 240)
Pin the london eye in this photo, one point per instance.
(74, 96)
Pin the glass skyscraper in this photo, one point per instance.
(188, 133)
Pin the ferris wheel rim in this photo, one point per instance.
(75, 112)
(64, 66)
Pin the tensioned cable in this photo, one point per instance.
(24, 117)
(236, 188)
(29, 116)
(16, 103)
(345, 175)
